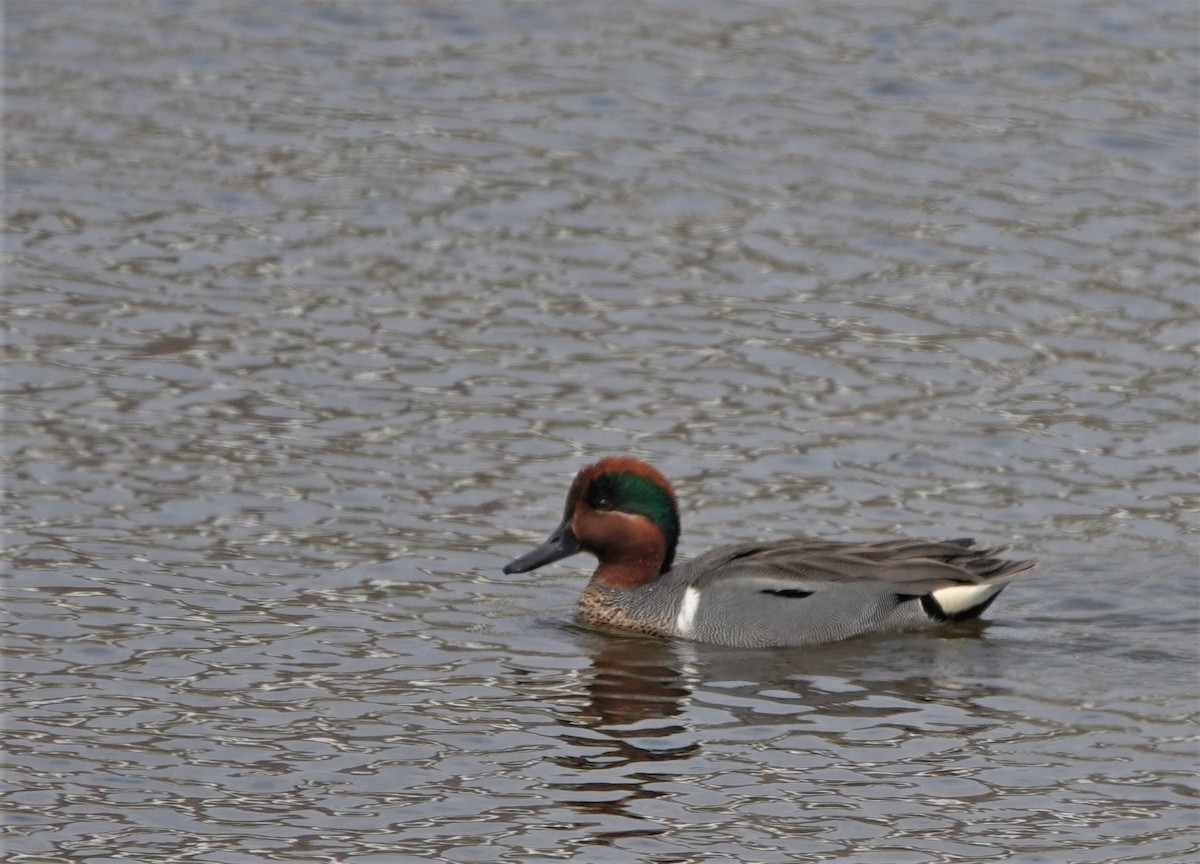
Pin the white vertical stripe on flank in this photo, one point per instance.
(687, 612)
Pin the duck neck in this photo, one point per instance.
(625, 574)
(636, 561)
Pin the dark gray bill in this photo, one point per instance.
(559, 545)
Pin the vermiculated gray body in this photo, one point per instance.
(804, 592)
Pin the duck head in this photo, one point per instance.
(622, 511)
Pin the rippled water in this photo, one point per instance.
(313, 309)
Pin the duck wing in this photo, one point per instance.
(908, 567)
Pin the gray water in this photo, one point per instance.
(313, 309)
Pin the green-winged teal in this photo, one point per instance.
(798, 591)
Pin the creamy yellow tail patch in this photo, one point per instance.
(960, 598)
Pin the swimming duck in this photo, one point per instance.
(798, 591)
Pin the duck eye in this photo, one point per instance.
(602, 495)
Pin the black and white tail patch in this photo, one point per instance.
(959, 602)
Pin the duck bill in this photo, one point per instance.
(561, 544)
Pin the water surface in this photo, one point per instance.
(313, 309)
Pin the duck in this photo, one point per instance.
(798, 591)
